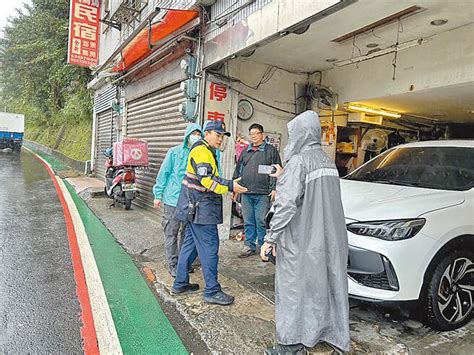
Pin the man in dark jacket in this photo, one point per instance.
(261, 187)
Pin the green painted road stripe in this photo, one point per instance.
(56, 164)
(141, 325)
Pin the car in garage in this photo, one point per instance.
(410, 220)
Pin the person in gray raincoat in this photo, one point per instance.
(309, 232)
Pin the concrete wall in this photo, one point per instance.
(444, 60)
(109, 37)
(261, 26)
(278, 91)
(168, 75)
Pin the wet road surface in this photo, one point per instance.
(39, 310)
(248, 325)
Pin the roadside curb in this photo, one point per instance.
(89, 193)
(88, 329)
(139, 324)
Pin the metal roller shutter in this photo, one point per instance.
(104, 98)
(105, 135)
(155, 117)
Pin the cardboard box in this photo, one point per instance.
(130, 152)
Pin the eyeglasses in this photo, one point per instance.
(255, 133)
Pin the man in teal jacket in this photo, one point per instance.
(167, 189)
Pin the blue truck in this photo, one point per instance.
(12, 128)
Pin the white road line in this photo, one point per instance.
(107, 337)
(104, 324)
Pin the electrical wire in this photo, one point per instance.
(262, 102)
(354, 46)
(297, 72)
(265, 78)
(231, 79)
(373, 34)
(205, 14)
(395, 56)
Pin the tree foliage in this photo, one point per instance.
(34, 76)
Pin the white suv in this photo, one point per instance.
(410, 219)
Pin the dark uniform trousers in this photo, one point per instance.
(203, 187)
(201, 239)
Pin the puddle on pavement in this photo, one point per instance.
(33, 170)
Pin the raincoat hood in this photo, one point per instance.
(304, 132)
(172, 170)
(190, 128)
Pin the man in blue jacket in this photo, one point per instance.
(167, 189)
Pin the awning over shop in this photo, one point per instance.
(142, 45)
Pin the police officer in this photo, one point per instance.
(200, 205)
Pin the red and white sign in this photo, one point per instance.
(84, 29)
(217, 106)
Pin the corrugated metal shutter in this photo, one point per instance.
(155, 117)
(104, 98)
(104, 139)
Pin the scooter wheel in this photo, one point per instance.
(128, 203)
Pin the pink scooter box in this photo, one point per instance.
(131, 152)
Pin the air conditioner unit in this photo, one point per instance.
(360, 117)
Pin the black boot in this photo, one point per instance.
(279, 349)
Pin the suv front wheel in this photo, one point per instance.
(449, 297)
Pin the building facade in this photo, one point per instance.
(391, 66)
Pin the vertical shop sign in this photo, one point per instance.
(217, 105)
(83, 47)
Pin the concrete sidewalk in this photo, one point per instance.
(87, 186)
(248, 325)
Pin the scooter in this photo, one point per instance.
(119, 182)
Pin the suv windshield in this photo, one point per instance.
(445, 168)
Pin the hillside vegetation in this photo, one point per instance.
(36, 80)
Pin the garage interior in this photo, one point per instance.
(395, 74)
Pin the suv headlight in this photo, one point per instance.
(388, 230)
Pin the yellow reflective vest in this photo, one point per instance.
(202, 187)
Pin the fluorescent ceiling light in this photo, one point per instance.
(372, 111)
(378, 52)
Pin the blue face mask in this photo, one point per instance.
(193, 139)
